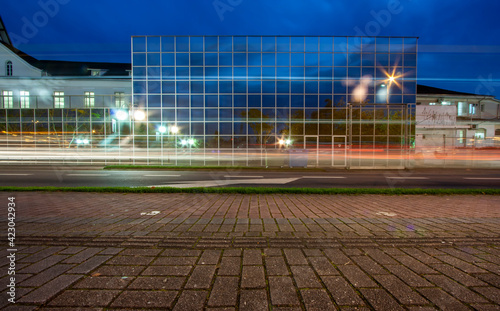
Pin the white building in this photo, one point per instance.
(448, 119)
(26, 82)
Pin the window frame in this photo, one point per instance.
(89, 98)
(119, 99)
(7, 97)
(24, 99)
(9, 70)
(58, 99)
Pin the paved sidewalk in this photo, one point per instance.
(87, 251)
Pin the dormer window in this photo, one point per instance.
(8, 68)
(97, 72)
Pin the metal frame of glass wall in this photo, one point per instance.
(249, 94)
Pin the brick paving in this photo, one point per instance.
(87, 251)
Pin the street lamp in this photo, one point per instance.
(121, 115)
(174, 129)
(188, 142)
(390, 80)
(139, 115)
(136, 115)
(162, 130)
(285, 142)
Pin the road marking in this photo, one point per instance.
(162, 175)
(6, 174)
(90, 175)
(216, 183)
(485, 178)
(407, 177)
(239, 176)
(323, 177)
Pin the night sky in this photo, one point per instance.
(459, 41)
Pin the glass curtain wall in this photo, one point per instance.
(252, 92)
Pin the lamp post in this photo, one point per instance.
(391, 80)
(174, 129)
(190, 143)
(285, 143)
(121, 115)
(136, 115)
(162, 130)
(387, 84)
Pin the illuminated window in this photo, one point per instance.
(461, 136)
(461, 108)
(8, 68)
(480, 134)
(472, 108)
(119, 99)
(445, 103)
(89, 99)
(58, 99)
(432, 104)
(24, 99)
(8, 99)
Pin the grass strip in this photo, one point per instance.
(262, 190)
(224, 168)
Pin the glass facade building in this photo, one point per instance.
(252, 91)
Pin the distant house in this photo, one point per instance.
(448, 119)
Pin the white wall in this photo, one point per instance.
(42, 89)
(19, 66)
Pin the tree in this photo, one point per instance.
(260, 125)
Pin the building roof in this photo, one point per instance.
(4, 35)
(69, 68)
(429, 90)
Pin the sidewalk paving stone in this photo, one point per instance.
(147, 299)
(256, 252)
(85, 298)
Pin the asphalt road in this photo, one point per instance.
(95, 176)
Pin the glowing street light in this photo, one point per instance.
(188, 142)
(162, 129)
(174, 129)
(139, 115)
(390, 80)
(285, 142)
(121, 115)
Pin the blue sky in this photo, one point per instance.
(459, 45)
